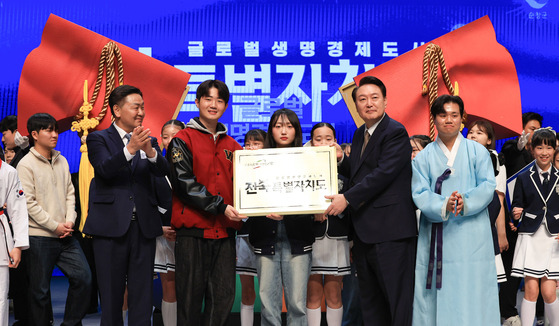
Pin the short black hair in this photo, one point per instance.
(119, 94)
(38, 122)
(529, 116)
(293, 119)
(204, 89)
(9, 123)
(255, 135)
(438, 105)
(544, 137)
(366, 81)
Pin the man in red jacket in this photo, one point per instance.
(201, 159)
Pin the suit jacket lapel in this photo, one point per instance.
(356, 145)
(373, 141)
(114, 136)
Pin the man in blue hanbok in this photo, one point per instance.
(453, 182)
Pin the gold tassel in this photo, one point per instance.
(110, 62)
(85, 175)
(432, 59)
(86, 172)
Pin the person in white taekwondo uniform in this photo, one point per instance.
(13, 239)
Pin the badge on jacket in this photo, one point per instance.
(177, 155)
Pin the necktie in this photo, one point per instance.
(437, 241)
(545, 176)
(127, 136)
(365, 141)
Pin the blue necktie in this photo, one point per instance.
(128, 136)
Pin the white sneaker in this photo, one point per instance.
(512, 321)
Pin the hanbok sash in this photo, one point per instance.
(437, 241)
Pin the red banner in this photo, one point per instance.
(52, 79)
(485, 72)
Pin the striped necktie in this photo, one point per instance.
(365, 142)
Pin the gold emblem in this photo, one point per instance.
(177, 155)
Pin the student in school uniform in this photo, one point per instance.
(246, 259)
(283, 244)
(516, 154)
(330, 259)
(482, 132)
(536, 204)
(165, 244)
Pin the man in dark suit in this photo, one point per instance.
(381, 209)
(123, 217)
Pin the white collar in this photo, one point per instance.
(540, 171)
(450, 154)
(120, 131)
(373, 127)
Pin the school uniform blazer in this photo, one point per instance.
(119, 185)
(537, 204)
(379, 194)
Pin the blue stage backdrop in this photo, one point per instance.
(292, 54)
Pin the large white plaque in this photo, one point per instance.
(285, 181)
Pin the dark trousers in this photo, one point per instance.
(205, 273)
(386, 280)
(86, 243)
(350, 299)
(121, 261)
(18, 291)
(42, 255)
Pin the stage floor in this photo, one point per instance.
(59, 287)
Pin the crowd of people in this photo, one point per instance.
(375, 255)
